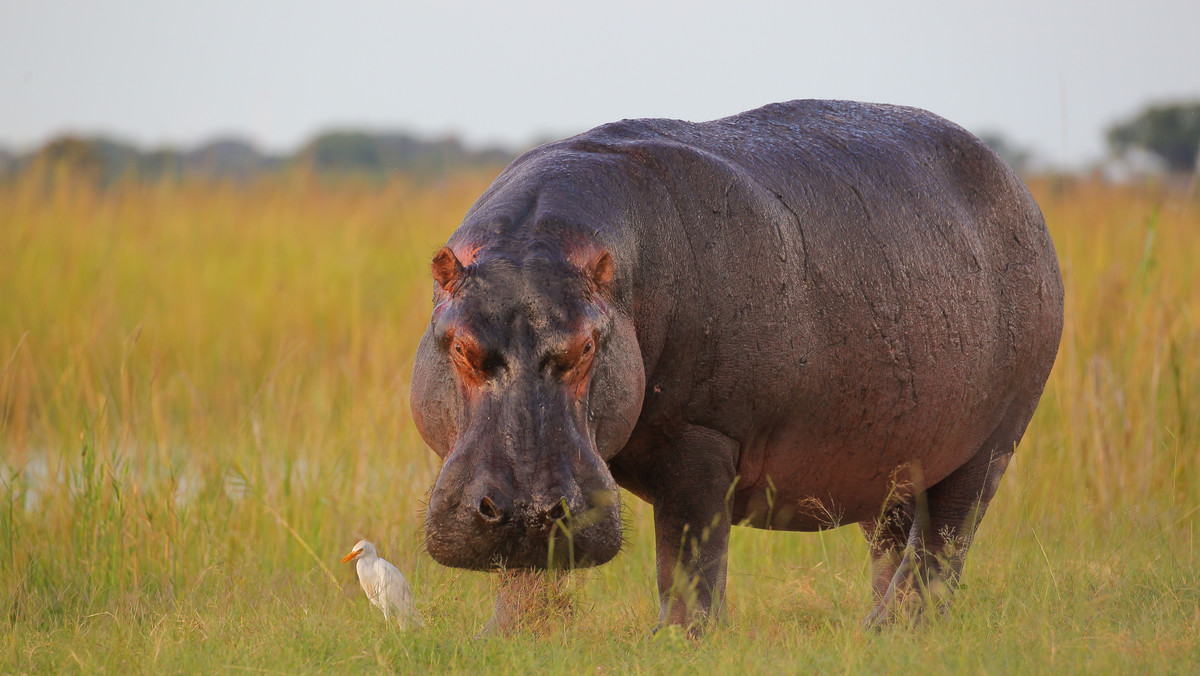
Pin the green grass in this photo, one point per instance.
(204, 403)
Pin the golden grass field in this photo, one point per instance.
(204, 403)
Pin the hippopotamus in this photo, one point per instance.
(808, 315)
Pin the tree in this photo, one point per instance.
(1170, 131)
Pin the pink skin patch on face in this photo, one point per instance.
(583, 254)
(596, 264)
(467, 252)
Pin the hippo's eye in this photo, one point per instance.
(587, 349)
(458, 348)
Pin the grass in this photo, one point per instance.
(203, 404)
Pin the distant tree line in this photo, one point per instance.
(1168, 132)
(339, 152)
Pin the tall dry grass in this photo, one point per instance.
(203, 402)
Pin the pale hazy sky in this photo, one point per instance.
(1050, 74)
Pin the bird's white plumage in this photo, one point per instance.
(385, 585)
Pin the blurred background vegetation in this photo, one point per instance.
(106, 161)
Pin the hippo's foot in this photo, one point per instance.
(917, 589)
(693, 622)
(536, 601)
(692, 632)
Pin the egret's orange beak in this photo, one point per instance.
(351, 555)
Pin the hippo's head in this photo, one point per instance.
(526, 383)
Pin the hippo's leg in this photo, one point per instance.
(945, 518)
(691, 526)
(887, 538)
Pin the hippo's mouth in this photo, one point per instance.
(524, 539)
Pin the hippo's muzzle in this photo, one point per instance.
(491, 523)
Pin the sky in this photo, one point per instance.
(1051, 75)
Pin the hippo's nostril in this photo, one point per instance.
(558, 511)
(487, 509)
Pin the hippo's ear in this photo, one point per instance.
(600, 272)
(446, 268)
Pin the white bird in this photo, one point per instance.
(385, 586)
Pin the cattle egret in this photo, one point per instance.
(385, 586)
